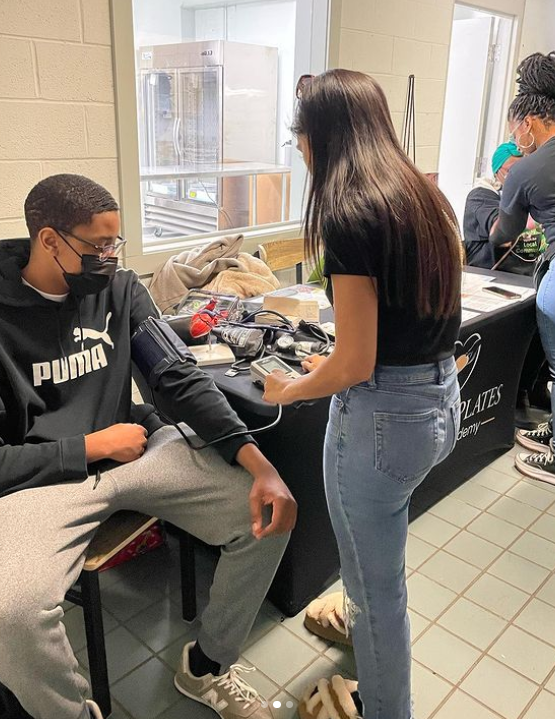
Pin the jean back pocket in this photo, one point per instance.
(406, 445)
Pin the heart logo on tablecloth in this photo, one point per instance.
(466, 357)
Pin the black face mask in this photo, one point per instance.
(95, 274)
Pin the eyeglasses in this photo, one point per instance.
(104, 251)
(302, 82)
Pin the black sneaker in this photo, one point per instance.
(537, 466)
(536, 439)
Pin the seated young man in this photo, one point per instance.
(67, 315)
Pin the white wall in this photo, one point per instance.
(156, 22)
(56, 99)
(391, 39)
(538, 30)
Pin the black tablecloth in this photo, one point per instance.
(494, 346)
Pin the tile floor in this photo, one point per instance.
(481, 568)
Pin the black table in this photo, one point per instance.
(495, 345)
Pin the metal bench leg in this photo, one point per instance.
(188, 578)
(96, 647)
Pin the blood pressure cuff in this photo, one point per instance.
(155, 347)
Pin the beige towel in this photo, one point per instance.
(193, 268)
(253, 277)
(219, 267)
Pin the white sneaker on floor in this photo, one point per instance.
(94, 709)
(228, 695)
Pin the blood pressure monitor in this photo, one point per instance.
(261, 368)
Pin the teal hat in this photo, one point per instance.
(502, 154)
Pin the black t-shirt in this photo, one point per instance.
(529, 188)
(404, 338)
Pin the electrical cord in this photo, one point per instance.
(233, 435)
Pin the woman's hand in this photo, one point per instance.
(275, 388)
(312, 362)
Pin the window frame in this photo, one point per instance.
(317, 14)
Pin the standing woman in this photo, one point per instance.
(392, 253)
(530, 189)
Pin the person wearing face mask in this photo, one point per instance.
(530, 189)
(67, 316)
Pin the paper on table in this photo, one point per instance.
(467, 315)
(472, 283)
(488, 301)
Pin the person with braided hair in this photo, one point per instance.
(530, 189)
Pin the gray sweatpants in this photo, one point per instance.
(44, 534)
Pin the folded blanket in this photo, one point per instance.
(253, 277)
(243, 274)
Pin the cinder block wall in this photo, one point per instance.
(56, 98)
(390, 39)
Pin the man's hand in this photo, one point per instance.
(268, 490)
(121, 442)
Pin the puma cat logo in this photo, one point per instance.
(80, 335)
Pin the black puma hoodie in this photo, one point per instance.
(65, 371)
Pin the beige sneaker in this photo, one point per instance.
(94, 710)
(228, 695)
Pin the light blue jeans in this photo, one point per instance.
(545, 314)
(383, 438)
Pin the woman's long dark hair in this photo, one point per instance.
(362, 178)
(536, 91)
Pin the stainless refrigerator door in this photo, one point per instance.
(160, 128)
(200, 128)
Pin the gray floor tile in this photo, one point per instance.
(280, 655)
(525, 654)
(519, 572)
(449, 571)
(427, 597)
(428, 690)
(123, 653)
(538, 618)
(160, 624)
(454, 511)
(418, 551)
(125, 599)
(75, 627)
(186, 708)
(515, 512)
(542, 708)
(475, 495)
(472, 623)
(499, 688)
(497, 596)
(433, 530)
(547, 592)
(495, 530)
(534, 496)
(146, 692)
(461, 706)
(257, 679)
(263, 623)
(445, 654)
(536, 549)
(344, 657)
(494, 478)
(473, 549)
(545, 527)
(322, 668)
(506, 464)
(418, 624)
(296, 625)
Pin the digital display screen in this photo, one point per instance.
(273, 363)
